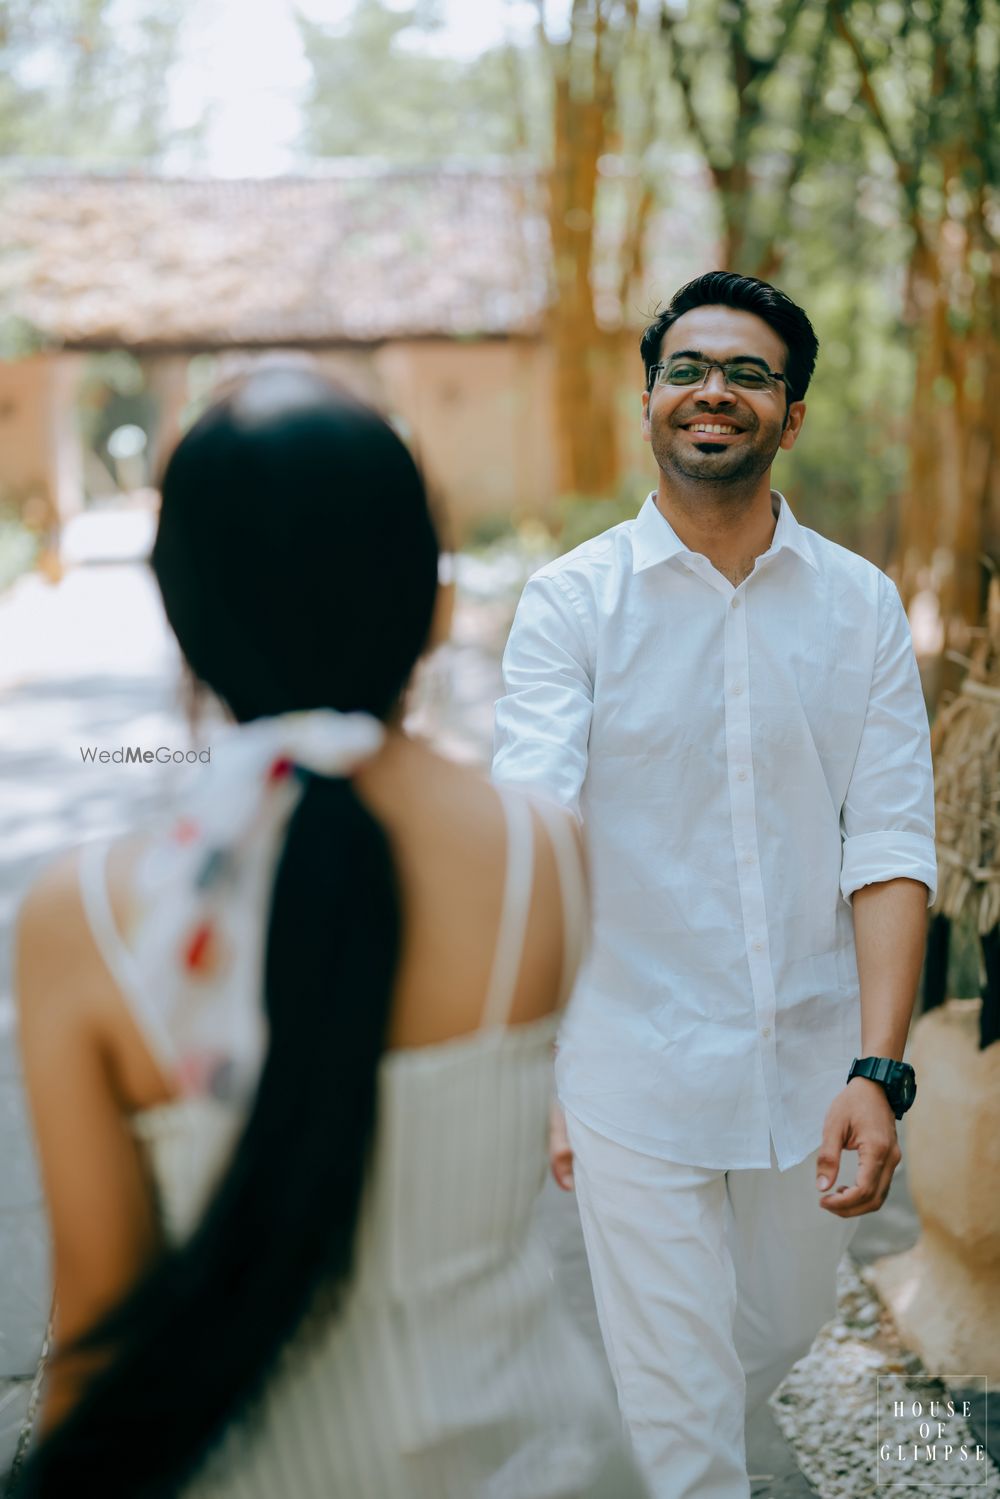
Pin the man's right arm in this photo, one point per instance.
(543, 721)
(542, 731)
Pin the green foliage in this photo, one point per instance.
(582, 518)
(934, 69)
(86, 80)
(19, 546)
(769, 98)
(489, 530)
(372, 95)
(849, 466)
(18, 337)
(112, 391)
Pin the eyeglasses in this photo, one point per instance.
(735, 372)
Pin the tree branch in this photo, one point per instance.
(685, 83)
(545, 41)
(641, 206)
(771, 255)
(809, 103)
(904, 168)
(760, 68)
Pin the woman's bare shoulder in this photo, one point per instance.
(450, 834)
(57, 957)
(51, 928)
(413, 786)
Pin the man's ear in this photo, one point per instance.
(794, 417)
(645, 416)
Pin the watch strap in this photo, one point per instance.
(876, 1069)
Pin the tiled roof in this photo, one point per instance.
(355, 254)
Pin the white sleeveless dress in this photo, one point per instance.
(450, 1371)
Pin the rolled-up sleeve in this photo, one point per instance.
(888, 814)
(543, 722)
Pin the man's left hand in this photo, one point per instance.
(858, 1119)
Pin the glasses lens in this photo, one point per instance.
(749, 376)
(684, 372)
(693, 372)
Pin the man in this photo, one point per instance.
(731, 704)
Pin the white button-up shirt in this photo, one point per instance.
(744, 759)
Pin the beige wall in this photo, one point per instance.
(41, 462)
(478, 415)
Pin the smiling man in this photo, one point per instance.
(731, 703)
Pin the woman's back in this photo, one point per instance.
(447, 1369)
(450, 838)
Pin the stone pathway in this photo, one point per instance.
(837, 1409)
(89, 661)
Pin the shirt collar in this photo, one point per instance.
(655, 540)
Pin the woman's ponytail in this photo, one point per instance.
(192, 1345)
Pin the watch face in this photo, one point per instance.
(904, 1088)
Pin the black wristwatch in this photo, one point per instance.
(897, 1078)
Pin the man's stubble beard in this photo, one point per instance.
(741, 471)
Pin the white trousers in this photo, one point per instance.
(709, 1285)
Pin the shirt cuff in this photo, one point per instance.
(873, 858)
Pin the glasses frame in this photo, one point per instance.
(715, 364)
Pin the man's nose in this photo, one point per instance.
(715, 387)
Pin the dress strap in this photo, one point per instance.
(118, 959)
(518, 883)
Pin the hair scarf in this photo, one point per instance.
(204, 892)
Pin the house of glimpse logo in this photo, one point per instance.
(921, 1430)
(133, 755)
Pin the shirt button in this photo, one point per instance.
(758, 947)
(741, 774)
(737, 688)
(765, 1031)
(735, 603)
(748, 858)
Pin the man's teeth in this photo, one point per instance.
(706, 427)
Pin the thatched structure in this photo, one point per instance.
(424, 289)
(967, 772)
(358, 253)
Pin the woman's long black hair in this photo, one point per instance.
(298, 565)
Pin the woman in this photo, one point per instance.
(288, 1062)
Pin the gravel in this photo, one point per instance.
(838, 1406)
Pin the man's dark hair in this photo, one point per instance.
(726, 289)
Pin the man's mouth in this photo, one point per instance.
(713, 429)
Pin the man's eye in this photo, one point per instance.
(682, 374)
(748, 374)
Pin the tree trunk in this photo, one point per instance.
(588, 459)
(946, 527)
(586, 355)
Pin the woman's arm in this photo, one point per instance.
(100, 1203)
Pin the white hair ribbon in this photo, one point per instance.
(204, 892)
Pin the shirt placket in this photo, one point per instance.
(739, 760)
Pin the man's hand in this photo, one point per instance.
(560, 1155)
(858, 1119)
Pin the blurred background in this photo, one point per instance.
(466, 212)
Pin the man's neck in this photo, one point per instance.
(732, 530)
